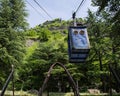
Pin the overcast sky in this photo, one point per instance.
(56, 9)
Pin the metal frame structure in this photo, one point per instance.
(10, 77)
(74, 86)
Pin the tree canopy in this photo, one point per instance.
(12, 23)
(34, 50)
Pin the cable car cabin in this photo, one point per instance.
(78, 44)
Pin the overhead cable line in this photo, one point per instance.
(35, 9)
(79, 6)
(74, 13)
(42, 8)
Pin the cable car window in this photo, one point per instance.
(79, 39)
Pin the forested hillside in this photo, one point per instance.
(32, 51)
(50, 46)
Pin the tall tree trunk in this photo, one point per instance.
(115, 65)
(101, 69)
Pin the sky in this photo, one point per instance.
(56, 9)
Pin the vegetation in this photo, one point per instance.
(18, 93)
(47, 44)
(12, 23)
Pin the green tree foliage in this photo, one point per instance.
(100, 43)
(52, 48)
(112, 6)
(12, 23)
(31, 33)
(109, 13)
(111, 10)
(44, 34)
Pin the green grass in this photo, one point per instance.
(81, 94)
(18, 93)
(23, 93)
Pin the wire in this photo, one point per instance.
(42, 9)
(35, 9)
(74, 13)
(79, 6)
(76, 2)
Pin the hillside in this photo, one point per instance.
(33, 50)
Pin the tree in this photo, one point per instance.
(12, 23)
(112, 8)
(48, 52)
(100, 45)
(44, 34)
